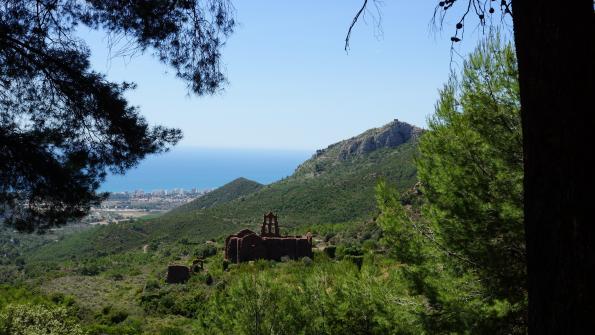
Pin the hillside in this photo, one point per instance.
(228, 192)
(390, 135)
(336, 185)
(115, 273)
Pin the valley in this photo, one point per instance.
(119, 269)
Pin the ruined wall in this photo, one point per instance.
(251, 246)
(177, 274)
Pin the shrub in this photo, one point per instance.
(349, 250)
(117, 276)
(20, 262)
(328, 236)
(152, 284)
(117, 316)
(171, 331)
(330, 251)
(91, 269)
(357, 260)
(37, 320)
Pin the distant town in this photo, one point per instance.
(122, 206)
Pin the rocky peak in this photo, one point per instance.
(390, 135)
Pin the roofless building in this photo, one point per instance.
(246, 245)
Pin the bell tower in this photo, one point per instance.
(270, 225)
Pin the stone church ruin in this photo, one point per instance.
(246, 245)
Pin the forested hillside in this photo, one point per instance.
(228, 192)
(334, 186)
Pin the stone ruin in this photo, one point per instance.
(177, 274)
(246, 245)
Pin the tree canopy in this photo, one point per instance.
(63, 126)
(21, 319)
(461, 231)
(471, 167)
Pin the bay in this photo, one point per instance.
(206, 168)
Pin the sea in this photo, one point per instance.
(206, 168)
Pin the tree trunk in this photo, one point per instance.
(555, 50)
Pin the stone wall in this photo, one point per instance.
(247, 246)
(177, 274)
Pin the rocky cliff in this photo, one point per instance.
(390, 135)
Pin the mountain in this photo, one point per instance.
(390, 135)
(228, 192)
(336, 185)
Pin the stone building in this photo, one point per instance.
(246, 245)
(177, 274)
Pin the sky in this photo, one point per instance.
(291, 84)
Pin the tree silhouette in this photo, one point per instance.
(64, 126)
(555, 46)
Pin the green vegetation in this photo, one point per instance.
(460, 235)
(30, 319)
(343, 193)
(25, 311)
(324, 297)
(115, 273)
(440, 255)
(471, 169)
(15, 248)
(228, 192)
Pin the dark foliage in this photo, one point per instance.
(64, 126)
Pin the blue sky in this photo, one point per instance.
(291, 84)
